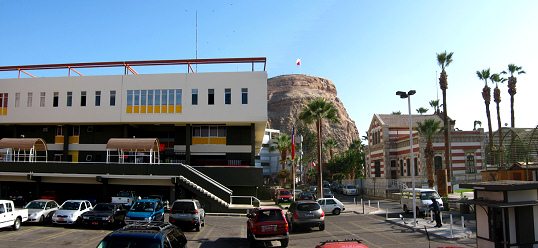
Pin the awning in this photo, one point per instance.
(133, 144)
(23, 144)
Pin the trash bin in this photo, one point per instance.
(465, 208)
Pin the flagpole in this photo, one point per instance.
(293, 160)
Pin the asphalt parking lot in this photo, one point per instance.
(230, 231)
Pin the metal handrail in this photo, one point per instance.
(209, 179)
(204, 190)
(252, 199)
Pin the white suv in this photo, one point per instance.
(187, 213)
(331, 205)
(349, 190)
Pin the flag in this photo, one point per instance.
(298, 62)
(292, 143)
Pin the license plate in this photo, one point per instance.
(269, 228)
(60, 219)
(182, 215)
(309, 215)
(95, 223)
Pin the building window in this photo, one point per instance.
(69, 99)
(416, 166)
(210, 96)
(59, 131)
(402, 168)
(377, 166)
(170, 100)
(143, 99)
(98, 98)
(136, 98)
(130, 97)
(42, 99)
(227, 96)
(209, 131)
(164, 100)
(75, 131)
(29, 100)
(178, 96)
(112, 98)
(194, 97)
(158, 98)
(470, 164)
(17, 99)
(150, 98)
(55, 99)
(244, 95)
(438, 163)
(83, 98)
(408, 167)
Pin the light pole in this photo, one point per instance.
(411, 159)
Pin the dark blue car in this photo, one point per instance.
(146, 235)
(145, 210)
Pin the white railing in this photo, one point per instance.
(209, 179)
(252, 199)
(199, 188)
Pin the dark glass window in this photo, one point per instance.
(69, 99)
(112, 98)
(210, 96)
(408, 167)
(194, 96)
(227, 96)
(98, 98)
(83, 98)
(244, 95)
(55, 99)
(470, 164)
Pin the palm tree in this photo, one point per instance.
(422, 110)
(486, 94)
(283, 144)
(428, 128)
(315, 111)
(512, 69)
(330, 144)
(435, 105)
(396, 113)
(444, 59)
(477, 122)
(497, 99)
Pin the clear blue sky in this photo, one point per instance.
(369, 49)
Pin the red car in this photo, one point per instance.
(342, 244)
(267, 224)
(283, 195)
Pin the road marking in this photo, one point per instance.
(97, 236)
(369, 243)
(18, 232)
(63, 233)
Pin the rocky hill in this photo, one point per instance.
(288, 94)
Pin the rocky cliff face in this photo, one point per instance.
(287, 96)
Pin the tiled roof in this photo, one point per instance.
(403, 120)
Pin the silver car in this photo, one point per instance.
(70, 212)
(187, 213)
(41, 210)
(305, 214)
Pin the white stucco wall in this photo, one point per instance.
(522, 195)
(482, 226)
(490, 195)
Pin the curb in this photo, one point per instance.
(421, 230)
(227, 214)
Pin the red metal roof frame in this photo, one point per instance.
(128, 64)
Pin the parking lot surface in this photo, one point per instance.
(230, 231)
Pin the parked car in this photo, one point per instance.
(154, 235)
(187, 213)
(422, 199)
(105, 214)
(305, 214)
(313, 189)
(125, 197)
(331, 205)
(349, 190)
(267, 224)
(283, 195)
(145, 210)
(11, 217)
(41, 211)
(70, 212)
(342, 244)
(327, 193)
(306, 196)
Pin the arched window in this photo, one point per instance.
(438, 163)
(470, 164)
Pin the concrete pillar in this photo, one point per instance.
(252, 144)
(65, 131)
(188, 141)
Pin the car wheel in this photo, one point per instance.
(203, 221)
(284, 242)
(405, 209)
(198, 227)
(322, 226)
(291, 227)
(41, 219)
(17, 224)
(336, 211)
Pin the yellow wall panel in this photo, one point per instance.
(129, 109)
(199, 140)
(164, 109)
(4, 112)
(58, 139)
(150, 109)
(179, 109)
(157, 109)
(74, 139)
(217, 140)
(74, 156)
(171, 109)
(137, 109)
(143, 109)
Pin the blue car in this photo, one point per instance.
(145, 210)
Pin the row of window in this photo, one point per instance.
(3, 103)
(56, 99)
(209, 131)
(227, 96)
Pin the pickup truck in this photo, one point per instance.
(11, 217)
(126, 198)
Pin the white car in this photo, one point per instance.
(349, 190)
(70, 212)
(331, 205)
(41, 210)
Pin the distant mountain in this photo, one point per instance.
(288, 94)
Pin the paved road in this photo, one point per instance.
(223, 231)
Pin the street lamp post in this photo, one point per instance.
(411, 159)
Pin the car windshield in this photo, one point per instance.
(130, 242)
(70, 206)
(183, 206)
(285, 192)
(103, 207)
(269, 215)
(428, 195)
(350, 187)
(124, 194)
(35, 205)
(308, 207)
(143, 207)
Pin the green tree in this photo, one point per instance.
(477, 122)
(330, 144)
(422, 110)
(428, 129)
(512, 69)
(444, 59)
(497, 99)
(486, 94)
(316, 111)
(435, 105)
(396, 113)
(283, 144)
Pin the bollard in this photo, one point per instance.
(451, 233)
(378, 205)
(362, 206)
(369, 203)
(462, 223)
(387, 214)
(354, 200)
(441, 216)
(361, 201)
(431, 215)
